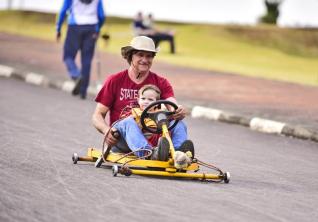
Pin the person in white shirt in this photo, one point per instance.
(85, 18)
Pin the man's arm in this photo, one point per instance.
(100, 15)
(98, 120)
(59, 21)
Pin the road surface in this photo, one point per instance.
(273, 178)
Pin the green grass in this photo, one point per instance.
(262, 51)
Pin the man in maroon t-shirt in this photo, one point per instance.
(121, 89)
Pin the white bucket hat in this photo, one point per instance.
(139, 43)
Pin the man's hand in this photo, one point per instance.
(95, 35)
(112, 137)
(58, 36)
(180, 113)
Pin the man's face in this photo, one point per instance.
(142, 61)
(146, 98)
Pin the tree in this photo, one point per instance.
(272, 14)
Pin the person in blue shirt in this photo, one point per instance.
(85, 19)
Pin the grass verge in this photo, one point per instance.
(263, 51)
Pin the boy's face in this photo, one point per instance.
(146, 98)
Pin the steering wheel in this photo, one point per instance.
(159, 117)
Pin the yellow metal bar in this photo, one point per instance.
(87, 158)
(132, 161)
(165, 133)
(176, 174)
(93, 154)
(141, 163)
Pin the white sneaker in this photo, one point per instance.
(181, 160)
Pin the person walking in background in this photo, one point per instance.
(85, 19)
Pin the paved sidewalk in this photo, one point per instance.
(263, 105)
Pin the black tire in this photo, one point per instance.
(75, 158)
(226, 177)
(99, 162)
(126, 171)
(115, 170)
(163, 149)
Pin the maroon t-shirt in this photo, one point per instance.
(120, 91)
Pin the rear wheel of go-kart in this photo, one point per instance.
(126, 171)
(226, 177)
(163, 149)
(75, 158)
(115, 170)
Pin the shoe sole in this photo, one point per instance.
(164, 149)
(77, 86)
(187, 146)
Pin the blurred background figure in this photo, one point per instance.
(149, 21)
(145, 26)
(85, 18)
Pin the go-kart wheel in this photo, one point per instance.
(99, 162)
(159, 117)
(115, 170)
(163, 149)
(126, 171)
(226, 177)
(75, 158)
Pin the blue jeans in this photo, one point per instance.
(132, 138)
(80, 38)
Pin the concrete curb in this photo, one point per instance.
(42, 80)
(255, 123)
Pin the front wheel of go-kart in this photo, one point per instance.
(115, 170)
(226, 178)
(75, 158)
(99, 162)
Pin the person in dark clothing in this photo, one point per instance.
(145, 27)
(85, 19)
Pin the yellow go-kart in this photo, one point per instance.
(128, 163)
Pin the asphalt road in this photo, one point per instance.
(251, 97)
(273, 178)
